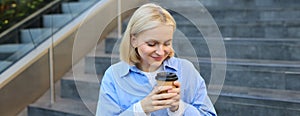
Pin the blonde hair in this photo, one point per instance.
(146, 17)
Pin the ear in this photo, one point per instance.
(133, 41)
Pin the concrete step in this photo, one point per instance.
(280, 75)
(237, 9)
(82, 86)
(283, 3)
(56, 20)
(101, 63)
(221, 3)
(243, 22)
(22, 52)
(12, 52)
(261, 30)
(8, 49)
(4, 65)
(36, 35)
(105, 61)
(238, 13)
(61, 107)
(76, 7)
(239, 16)
(238, 48)
(87, 0)
(256, 14)
(242, 48)
(243, 101)
(245, 29)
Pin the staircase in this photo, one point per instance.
(262, 48)
(38, 29)
(25, 37)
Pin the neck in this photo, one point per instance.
(147, 68)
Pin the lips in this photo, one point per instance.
(157, 58)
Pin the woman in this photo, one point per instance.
(129, 87)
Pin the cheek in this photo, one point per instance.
(143, 51)
(169, 49)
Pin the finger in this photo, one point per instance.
(177, 84)
(162, 102)
(176, 98)
(174, 90)
(163, 96)
(161, 107)
(159, 89)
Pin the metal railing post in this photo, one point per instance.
(119, 20)
(51, 66)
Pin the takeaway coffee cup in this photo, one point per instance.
(166, 79)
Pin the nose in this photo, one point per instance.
(159, 50)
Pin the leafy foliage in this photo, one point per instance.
(13, 11)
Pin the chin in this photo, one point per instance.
(156, 63)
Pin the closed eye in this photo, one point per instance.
(151, 44)
(167, 44)
(154, 43)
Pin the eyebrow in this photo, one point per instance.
(157, 41)
(168, 40)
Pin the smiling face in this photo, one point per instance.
(153, 46)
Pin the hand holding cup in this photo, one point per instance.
(165, 95)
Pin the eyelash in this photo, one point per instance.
(151, 44)
(167, 44)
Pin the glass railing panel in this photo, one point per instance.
(18, 42)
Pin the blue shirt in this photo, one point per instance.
(124, 85)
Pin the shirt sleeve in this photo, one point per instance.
(138, 110)
(199, 103)
(108, 103)
(180, 110)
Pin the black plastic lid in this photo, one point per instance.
(166, 76)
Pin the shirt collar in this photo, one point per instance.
(125, 68)
(171, 63)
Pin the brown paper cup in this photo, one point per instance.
(166, 79)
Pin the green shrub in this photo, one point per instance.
(13, 11)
